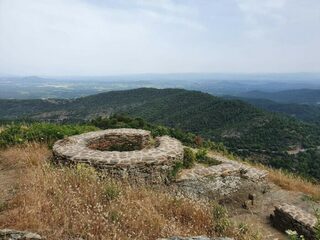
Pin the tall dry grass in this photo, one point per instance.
(66, 203)
(293, 182)
(25, 156)
(283, 179)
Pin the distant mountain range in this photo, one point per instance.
(217, 84)
(299, 96)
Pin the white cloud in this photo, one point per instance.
(97, 37)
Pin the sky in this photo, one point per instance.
(105, 37)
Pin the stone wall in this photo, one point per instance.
(152, 163)
(289, 217)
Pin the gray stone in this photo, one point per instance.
(10, 234)
(290, 217)
(229, 179)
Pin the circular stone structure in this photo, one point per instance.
(125, 153)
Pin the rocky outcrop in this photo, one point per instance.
(289, 217)
(142, 159)
(10, 234)
(230, 179)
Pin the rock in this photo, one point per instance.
(222, 181)
(194, 238)
(247, 204)
(10, 234)
(252, 197)
(289, 217)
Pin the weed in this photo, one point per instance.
(189, 158)
(221, 220)
(111, 191)
(293, 235)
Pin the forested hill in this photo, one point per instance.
(305, 112)
(300, 96)
(239, 125)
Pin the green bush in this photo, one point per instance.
(189, 158)
(201, 154)
(18, 133)
(293, 235)
(175, 170)
(221, 219)
(201, 157)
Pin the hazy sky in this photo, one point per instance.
(103, 37)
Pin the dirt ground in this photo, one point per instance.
(258, 215)
(8, 181)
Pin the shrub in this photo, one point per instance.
(111, 191)
(175, 170)
(86, 172)
(221, 219)
(293, 235)
(189, 158)
(201, 154)
(19, 133)
(201, 157)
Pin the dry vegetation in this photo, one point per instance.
(293, 182)
(284, 179)
(65, 203)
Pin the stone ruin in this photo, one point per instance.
(290, 217)
(125, 153)
(135, 155)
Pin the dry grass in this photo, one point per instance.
(32, 154)
(293, 182)
(285, 180)
(65, 203)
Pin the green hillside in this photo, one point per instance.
(243, 128)
(304, 112)
(238, 124)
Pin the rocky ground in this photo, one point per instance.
(266, 196)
